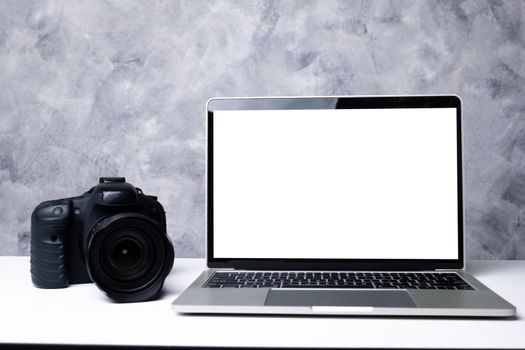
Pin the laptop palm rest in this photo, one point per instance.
(338, 297)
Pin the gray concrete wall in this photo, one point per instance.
(94, 88)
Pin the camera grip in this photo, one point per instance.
(49, 225)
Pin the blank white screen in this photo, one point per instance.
(335, 184)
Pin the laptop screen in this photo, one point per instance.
(335, 184)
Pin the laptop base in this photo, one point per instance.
(480, 302)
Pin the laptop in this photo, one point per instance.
(336, 206)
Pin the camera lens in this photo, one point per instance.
(126, 254)
(129, 257)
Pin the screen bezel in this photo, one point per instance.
(342, 102)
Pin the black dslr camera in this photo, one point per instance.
(113, 235)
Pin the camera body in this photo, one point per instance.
(113, 235)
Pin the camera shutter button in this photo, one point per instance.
(57, 211)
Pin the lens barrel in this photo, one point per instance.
(128, 257)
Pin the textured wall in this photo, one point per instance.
(94, 88)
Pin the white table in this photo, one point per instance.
(81, 314)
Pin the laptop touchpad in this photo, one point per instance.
(338, 297)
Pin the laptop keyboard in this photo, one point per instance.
(372, 280)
